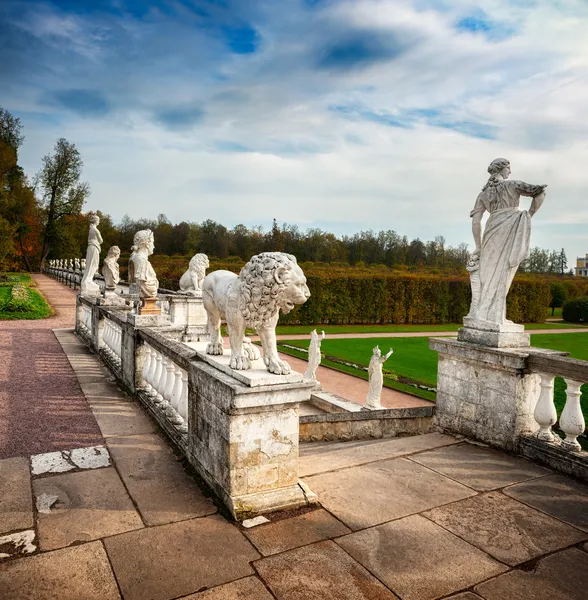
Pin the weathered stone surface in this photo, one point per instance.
(161, 489)
(322, 571)
(561, 576)
(17, 544)
(379, 492)
(68, 574)
(465, 596)
(179, 559)
(90, 505)
(297, 531)
(508, 530)
(93, 457)
(119, 417)
(323, 457)
(399, 554)
(16, 505)
(249, 588)
(480, 468)
(556, 495)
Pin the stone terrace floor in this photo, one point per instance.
(415, 518)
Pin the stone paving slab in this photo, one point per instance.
(174, 560)
(480, 468)
(322, 457)
(78, 573)
(298, 531)
(322, 571)
(16, 504)
(93, 457)
(561, 576)
(556, 495)
(504, 528)
(249, 588)
(90, 505)
(418, 560)
(156, 481)
(465, 596)
(378, 492)
(119, 417)
(16, 544)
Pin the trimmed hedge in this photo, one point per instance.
(576, 311)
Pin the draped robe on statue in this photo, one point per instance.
(505, 244)
(92, 259)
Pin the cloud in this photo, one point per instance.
(86, 103)
(179, 118)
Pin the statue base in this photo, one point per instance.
(149, 307)
(494, 335)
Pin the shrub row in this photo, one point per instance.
(20, 299)
(576, 311)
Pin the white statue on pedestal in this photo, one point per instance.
(110, 270)
(191, 280)
(504, 246)
(314, 354)
(87, 285)
(269, 283)
(376, 378)
(141, 270)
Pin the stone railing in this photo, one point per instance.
(239, 430)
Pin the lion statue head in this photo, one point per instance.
(198, 264)
(270, 282)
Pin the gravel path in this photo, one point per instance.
(42, 408)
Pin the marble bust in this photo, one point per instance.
(142, 272)
(110, 269)
(502, 248)
(87, 285)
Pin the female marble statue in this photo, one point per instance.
(110, 268)
(505, 243)
(376, 378)
(142, 272)
(92, 258)
(314, 354)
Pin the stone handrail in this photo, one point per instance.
(571, 420)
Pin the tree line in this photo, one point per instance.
(42, 218)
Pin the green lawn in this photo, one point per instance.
(39, 307)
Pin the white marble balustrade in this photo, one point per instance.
(571, 420)
(167, 385)
(112, 338)
(86, 318)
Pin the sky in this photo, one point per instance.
(346, 115)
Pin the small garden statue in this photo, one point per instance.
(141, 271)
(110, 270)
(87, 285)
(314, 354)
(191, 280)
(376, 378)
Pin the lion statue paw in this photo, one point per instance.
(216, 348)
(240, 363)
(250, 349)
(279, 367)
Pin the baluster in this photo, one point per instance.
(169, 382)
(146, 367)
(151, 375)
(162, 379)
(156, 377)
(177, 391)
(545, 414)
(171, 409)
(183, 403)
(571, 421)
(118, 349)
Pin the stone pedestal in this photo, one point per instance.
(485, 393)
(485, 333)
(143, 320)
(188, 310)
(243, 435)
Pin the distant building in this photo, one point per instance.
(582, 266)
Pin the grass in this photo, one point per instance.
(38, 307)
(414, 361)
(306, 329)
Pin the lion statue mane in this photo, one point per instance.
(191, 280)
(269, 283)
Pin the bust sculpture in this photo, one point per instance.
(110, 270)
(314, 354)
(269, 283)
(376, 378)
(141, 271)
(87, 285)
(191, 280)
(505, 244)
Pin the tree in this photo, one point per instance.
(558, 296)
(563, 262)
(62, 192)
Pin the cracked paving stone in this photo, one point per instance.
(17, 544)
(94, 457)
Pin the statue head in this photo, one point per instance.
(377, 351)
(499, 166)
(94, 220)
(113, 252)
(144, 239)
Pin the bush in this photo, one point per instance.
(20, 300)
(576, 311)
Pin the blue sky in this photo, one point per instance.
(345, 115)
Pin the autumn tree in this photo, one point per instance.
(62, 193)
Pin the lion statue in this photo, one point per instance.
(191, 280)
(269, 283)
